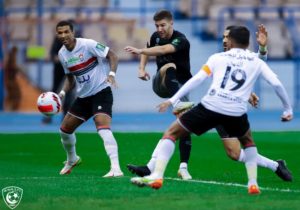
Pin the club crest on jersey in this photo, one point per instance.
(175, 41)
(157, 40)
(81, 58)
(12, 196)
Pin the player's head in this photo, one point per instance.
(164, 23)
(225, 37)
(65, 33)
(238, 37)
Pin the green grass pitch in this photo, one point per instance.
(33, 161)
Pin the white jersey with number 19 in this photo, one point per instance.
(85, 63)
(234, 74)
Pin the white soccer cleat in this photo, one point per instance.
(113, 173)
(67, 169)
(182, 107)
(184, 174)
(147, 181)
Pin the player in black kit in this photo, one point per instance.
(172, 51)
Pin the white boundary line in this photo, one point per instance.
(232, 184)
(167, 178)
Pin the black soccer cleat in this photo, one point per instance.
(139, 170)
(283, 172)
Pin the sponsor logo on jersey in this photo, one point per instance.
(73, 60)
(83, 78)
(212, 92)
(100, 47)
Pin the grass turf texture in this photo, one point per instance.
(33, 161)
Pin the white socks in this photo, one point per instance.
(151, 163)
(251, 165)
(261, 161)
(68, 141)
(164, 153)
(183, 165)
(111, 147)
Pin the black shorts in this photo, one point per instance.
(160, 88)
(198, 120)
(222, 132)
(89, 106)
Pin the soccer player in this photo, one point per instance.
(172, 51)
(234, 74)
(231, 145)
(82, 60)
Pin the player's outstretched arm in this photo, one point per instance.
(262, 39)
(152, 51)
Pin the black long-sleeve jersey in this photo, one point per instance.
(181, 57)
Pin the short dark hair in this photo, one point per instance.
(162, 14)
(240, 34)
(65, 23)
(229, 27)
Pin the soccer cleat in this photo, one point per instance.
(184, 174)
(283, 172)
(113, 173)
(147, 181)
(253, 189)
(182, 107)
(139, 170)
(69, 166)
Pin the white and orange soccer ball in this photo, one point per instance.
(49, 103)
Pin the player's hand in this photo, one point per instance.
(143, 75)
(112, 81)
(164, 106)
(262, 35)
(133, 50)
(253, 100)
(287, 116)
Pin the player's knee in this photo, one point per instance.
(165, 67)
(65, 131)
(232, 154)
(170, 73)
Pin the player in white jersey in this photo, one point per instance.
(82, 60)
(233, 76)
(232, 145)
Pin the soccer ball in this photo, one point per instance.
(49, 103)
